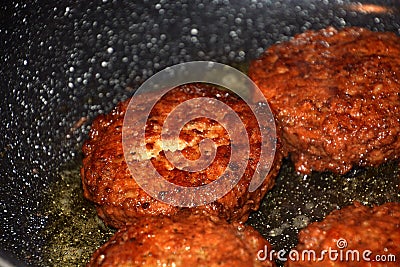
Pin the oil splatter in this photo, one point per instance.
(74, 231)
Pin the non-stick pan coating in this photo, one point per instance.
(64, 62)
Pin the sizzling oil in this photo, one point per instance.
(74, 231)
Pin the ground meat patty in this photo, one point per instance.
(189, 241)
(353, 228)
(108, 183)
(335, 94)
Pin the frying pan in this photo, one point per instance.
(65, 62)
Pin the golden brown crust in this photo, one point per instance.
(335, 95)
(108, 183)
(376, 229)
(187, 241)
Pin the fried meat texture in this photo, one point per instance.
(108, 182)
(336, 96)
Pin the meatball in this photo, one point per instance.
(108, 182)
(186, 241)
(356, 235)
(335, 95)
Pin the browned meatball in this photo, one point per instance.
(119, 199)
(360, 235)
(186, 241)
(335, 95)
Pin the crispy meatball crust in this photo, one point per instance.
(119, 199)
(376, 229)
(186, 241)
(335, 95)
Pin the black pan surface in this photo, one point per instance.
(64, 62)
